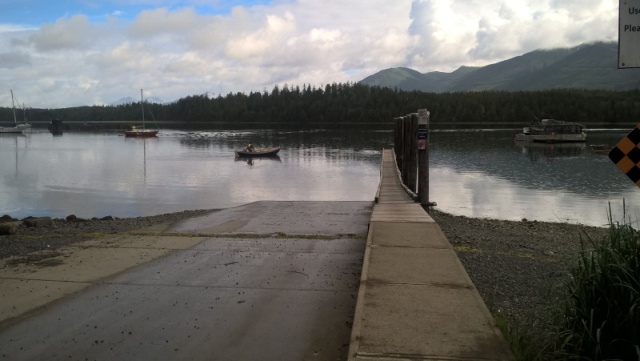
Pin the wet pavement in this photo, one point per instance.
(269, 281)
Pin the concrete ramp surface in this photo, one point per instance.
(268, 281)
(329, 218)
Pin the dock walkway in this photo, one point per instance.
(416, 300)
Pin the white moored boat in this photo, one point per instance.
(553, 131)
(18, 128)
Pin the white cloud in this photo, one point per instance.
(174, 52)
(252, 47)
(73, 33)
(151, 24)
(482, 32)
(14, 60)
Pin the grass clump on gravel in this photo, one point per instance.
(601, 312)
(597, 314)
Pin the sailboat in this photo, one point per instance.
(137, 132)
(17, 128)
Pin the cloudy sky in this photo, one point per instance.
(83, 52)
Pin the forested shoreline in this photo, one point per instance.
(353, 104)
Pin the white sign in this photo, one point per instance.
(629, 34)
(423, 117)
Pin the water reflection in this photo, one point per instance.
(548, 152)
(253, 160)
(134, 144)
(99, 174)
(488, 175)
(564, 167)
(480, 174)
(11, 143)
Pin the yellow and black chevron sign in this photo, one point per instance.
(626, 155)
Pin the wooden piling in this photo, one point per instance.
(423, 158)
(412, 156)
(411, 140)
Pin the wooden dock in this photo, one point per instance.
(416, 300)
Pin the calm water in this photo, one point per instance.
(98, 174)
(487, 174)
(478, 174)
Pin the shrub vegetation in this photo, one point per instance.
(601, 318)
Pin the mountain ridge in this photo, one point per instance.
(592, 66)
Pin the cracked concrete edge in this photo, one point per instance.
(355, 354)
(354, 344)
(26, 289)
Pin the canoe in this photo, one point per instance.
(258, 152)
(601, 148)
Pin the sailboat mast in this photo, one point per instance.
(13, 104)
(142, 106)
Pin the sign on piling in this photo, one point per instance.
(423, 156)
(629, 34)
(411, 144)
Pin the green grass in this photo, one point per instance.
(524, 342)
(601, 313)
(598, 317)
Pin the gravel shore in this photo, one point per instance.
(514, 265)
(517, 266)
(61, 232)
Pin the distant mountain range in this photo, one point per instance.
(588, 66)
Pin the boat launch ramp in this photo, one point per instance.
(264, 281)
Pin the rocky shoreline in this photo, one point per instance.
(45, 234)
(515, 265)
